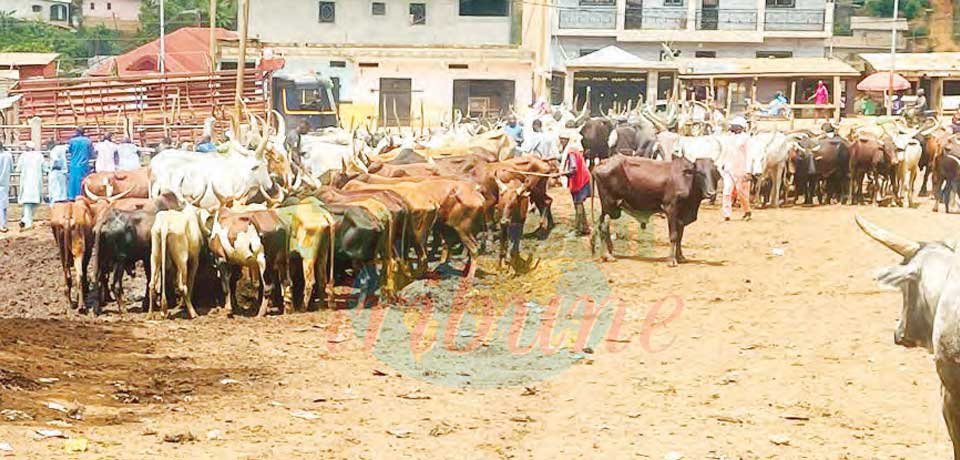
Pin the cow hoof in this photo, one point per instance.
(673, 264)
(608, 258)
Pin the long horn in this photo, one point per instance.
(903, 246)
(199, 198)
(119, 197)
(90, 195)
(220, 198)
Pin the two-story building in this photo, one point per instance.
(114, 14)
(694, 28)
(56, 12)
(391, 61)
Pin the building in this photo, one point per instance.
(693, 28)
(937, 73)
(56, 12)
(30, 66)
(392, 61)
(187, 50)
(121, 15)
(869, 35)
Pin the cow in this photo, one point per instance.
(122, 237)
(909, 154)
(870, 156)
(72, 224)
(769, 154)
(176, 237)
(511, 215)
(638, 185)
(312, 241)
(946, 175)
(596, 139)
(928, 280)
(99, 186)
(255, 238)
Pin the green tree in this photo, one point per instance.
(184, 13)
(75, 46)
(908, 8)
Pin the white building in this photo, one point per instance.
(393, 60)
(56, 12)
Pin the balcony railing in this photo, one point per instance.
(789, 19)
(595, 17)
(655, 19)
(724, 19)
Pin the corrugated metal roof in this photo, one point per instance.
(21, 59)
(613, 57)
(915, 62)
(707, 67)
(187, 51)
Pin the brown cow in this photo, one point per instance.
(870, 156)
(99, 186)
(72, 225)
(639, 185)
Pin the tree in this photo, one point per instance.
(183, 13)
(908, 8)
(75, 46)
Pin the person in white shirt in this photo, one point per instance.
(31, 165)
(106, 154)
(129, 155)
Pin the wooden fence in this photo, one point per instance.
(148, 108)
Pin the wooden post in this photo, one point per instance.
(241, 65)
(213, 35)
(793, 100)
(836, 98)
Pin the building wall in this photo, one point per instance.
(570, 48)
(355, 25)
(38, 71)
(24, 9)
(125, 10)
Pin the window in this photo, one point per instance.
(781, 3)
(58, 12)
(775, 54)
(378, 9)
(368, 65)
(338, 64)
(458, 66)
(951, 88)
(586, 51)
(109, 6)
(598, 2)
(705, 54)
(37, 8)
(418, 14)
(93, 6)
(328, 12)
(672, 2)
(484, 8)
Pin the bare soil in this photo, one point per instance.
(771, 356)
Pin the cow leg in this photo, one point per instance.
(183, 264)
(309, 282)
(78, 273)
(265, 285)
(673, 227)
(680, 257)
(603, 233)
(775, 188)
(926, 177)
(951, 415)
(118, 289)
(193, 265)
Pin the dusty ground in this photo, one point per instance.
(795, 348)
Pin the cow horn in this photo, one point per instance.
(270, 200)
(119, 197)
(90, 195)
(199, 198)
(903, 246)
(220, 198)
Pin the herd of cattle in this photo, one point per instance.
(212, 216)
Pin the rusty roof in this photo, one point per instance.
(715, 67)
(23, 59)
(919, 63)
(187, 50)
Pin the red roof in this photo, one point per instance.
(187, 50)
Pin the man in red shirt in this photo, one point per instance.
(578, 181)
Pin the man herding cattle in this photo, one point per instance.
(734, 170)
(578, 181)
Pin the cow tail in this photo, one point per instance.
(333, 234)
(163, 267)
(594, 189)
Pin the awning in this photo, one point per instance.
(880, 82)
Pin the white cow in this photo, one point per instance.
(768, 154)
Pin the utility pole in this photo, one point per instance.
(241, 63)
(213, 35)
(893, 55)
(163, 39)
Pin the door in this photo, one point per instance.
(710, 15)
(395, 101)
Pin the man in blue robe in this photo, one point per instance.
(79, 152)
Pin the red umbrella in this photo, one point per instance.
(880, 82)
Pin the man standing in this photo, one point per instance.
(79, 151)
(6, 167)
(578, 180)
(30, 165)
(294, 141)
(734, 169)
(107, 154)
(57, 180)
(514, 130)
(129, 155)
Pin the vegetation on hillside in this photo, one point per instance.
(183, 13)
(75, 46)
(909, 9)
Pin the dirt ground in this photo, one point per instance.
(771, 356)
